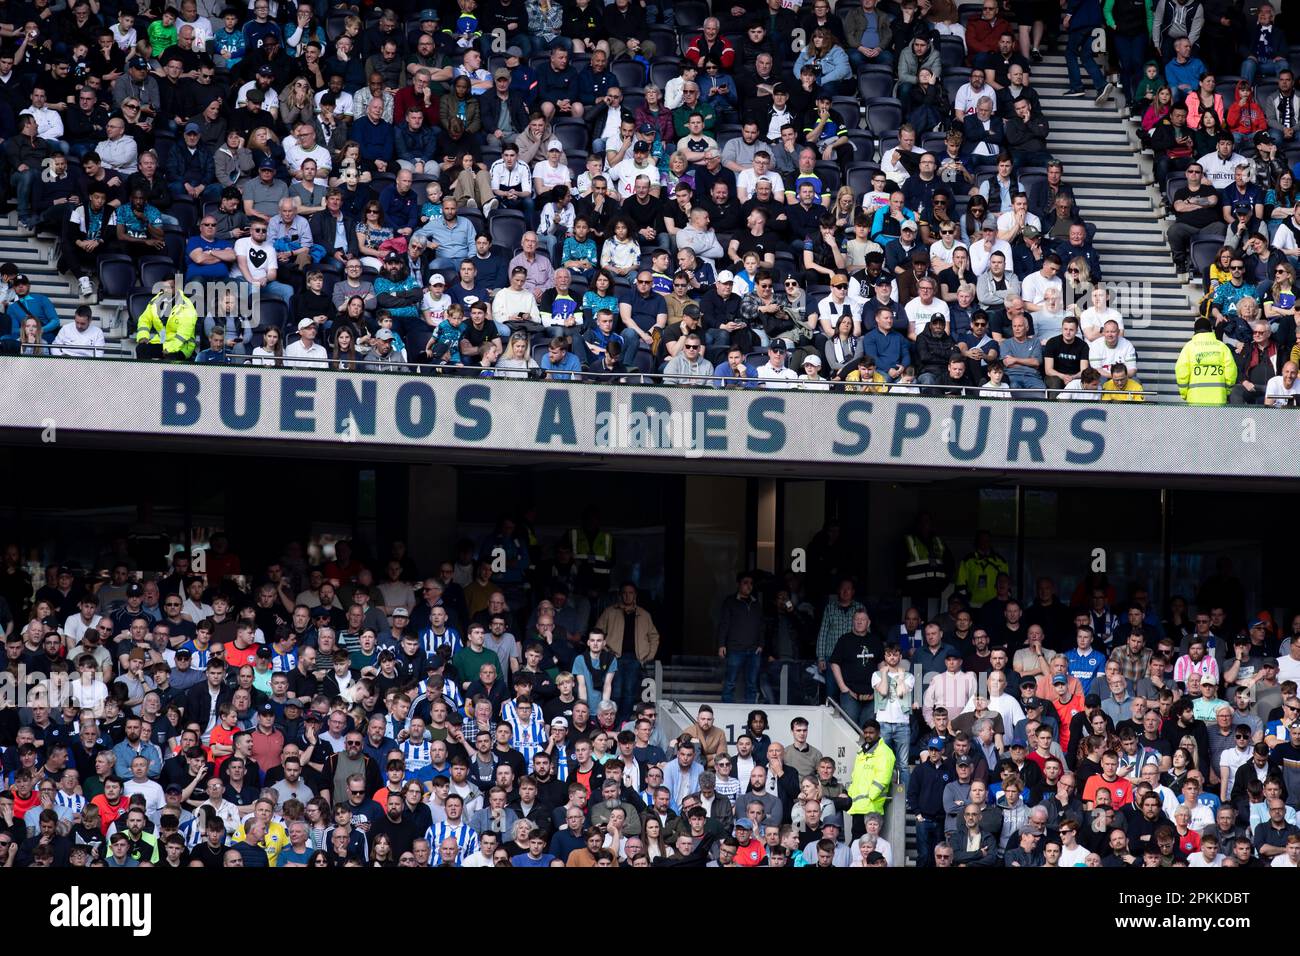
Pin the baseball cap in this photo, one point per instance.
(134, 590)
(139, 63)
(909, 224)
(965, 762)
(1269, 662)
(640, 146)
(952, 652)
(646, 128)
(725, 276)
(934, 743)
(693, 311)
(514, 51)
(21, 279)
(266, 163)
(173, 788)
(501, 73)
(266, 709)
(192, 127)
(1240, 208)
(555, 144)
(265, 70)
(989, 224)
(1033, 702)
(744, 823)
(387, 336)
(393, 257)
(302, 325)
(883, 279)
(1263, 136)
(265, 652)
(778, 345)
(1209, 679)
(1028, 682)
(1060, 679)
(831, 821)
(560, 722)
(1031, 231)
(813, 360)
(1019, 742)
(429, 14)
(397, 611)
(185, 651)
(317, 611)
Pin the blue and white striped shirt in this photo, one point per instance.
(465, 836)
(284, 663)
(526, 738)
(431, 641)
(72, 801)
(416, 755)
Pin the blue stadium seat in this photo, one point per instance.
(154, 269)
(1203, 252)
(572, 134)
(864, 146)
(884, 115)
(630, 74)
(274, 313)
(507, 227)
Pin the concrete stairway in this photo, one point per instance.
(1105, 168)
(35, 257)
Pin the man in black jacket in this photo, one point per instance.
(934, 350)
(740, 638)
(925, 801)
(202, 701)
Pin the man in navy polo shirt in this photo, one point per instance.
(641, 310)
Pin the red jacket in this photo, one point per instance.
(720, 50)
(982, 35)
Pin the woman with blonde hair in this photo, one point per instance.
(297, 104)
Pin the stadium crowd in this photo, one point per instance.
(778, 195)
(350, 713)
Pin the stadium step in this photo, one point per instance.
(1104, 166)
(35, 257)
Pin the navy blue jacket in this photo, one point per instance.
(925, 789)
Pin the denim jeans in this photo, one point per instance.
(898, 738)
(857, 711)
(22, 182)
(927, 835)
(631, 345)
(1132, 53)
(1079, 46)
(735, 661)
(627, 685)
(1252, 67)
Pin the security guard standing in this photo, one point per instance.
(871, 778)
(927, 565)
(593, 550)
(977, 575)
(1206, 369)
(166, 327)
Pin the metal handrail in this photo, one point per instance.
(714, 380)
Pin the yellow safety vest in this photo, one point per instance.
(922, 565)
(1205, 371)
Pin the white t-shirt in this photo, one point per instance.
(1101, 356)
(270, 101)
(1091, 318)
(783, 377)
(1034, 288)
(1276, 389)
(1075, 856)
(296, 355)
(1220, 172)
(295, 154)
(1008, 219)
(747, 180)
(968, 98)
(1197, 861)
(1075, 392)
(918, 313)
(260, 256)
(626, 172)
(552, 176)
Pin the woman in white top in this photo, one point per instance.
(271, 351)
(1097, 314)
(874, 823)
(516, 363)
